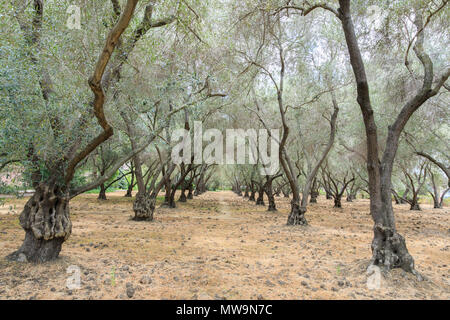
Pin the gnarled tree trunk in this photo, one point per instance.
(144, 206)
(46, 221)
(388, 247)
(297, 215)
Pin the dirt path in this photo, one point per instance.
(220, 246)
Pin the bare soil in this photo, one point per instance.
(221, 246)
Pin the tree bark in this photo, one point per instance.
(129, 193)
(260, 199)
(270, 196)
(102, 193)
(441, 203)
(144, 206)
(405, 196)
(46, 221)
(183, 195)
(167, 191)
(337, 202)
(190, 195)
(297, 215)
(314, 192)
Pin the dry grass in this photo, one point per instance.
(220, 246)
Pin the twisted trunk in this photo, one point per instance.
(388, 247)
(46, 221)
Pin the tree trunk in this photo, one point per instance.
(436, 204)
(414, 205)
(46, 221)
(252, 193)
(129, 193)
(238, 190)
(272, 205)
(337, 202)
(405, 196)
(102, 193)
(190, 195)
(397, 200)
(144, 207)
(328, 195)
(435, 193)
(183, 196)
(314, 196)
(166, 202)
(388, 247)
(260, 199)
(389, 250)
(171, 202)
(270, 197)
(441, 202)
(297, 215)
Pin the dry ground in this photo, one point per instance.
(220, 246)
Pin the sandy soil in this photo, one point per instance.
(220, 246)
